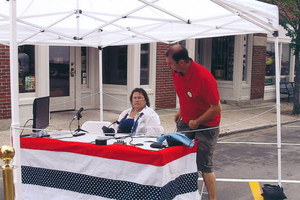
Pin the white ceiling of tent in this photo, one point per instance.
(119, 22)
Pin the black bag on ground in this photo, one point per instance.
(273, 192)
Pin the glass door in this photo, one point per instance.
(62, 78)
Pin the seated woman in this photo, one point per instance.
(140, 118)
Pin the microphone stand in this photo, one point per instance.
(79, 131)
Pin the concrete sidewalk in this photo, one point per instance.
(234, 118)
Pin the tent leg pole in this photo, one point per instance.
(15, 98)
(100, 84)
(277, 66)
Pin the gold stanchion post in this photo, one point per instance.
(7, 153)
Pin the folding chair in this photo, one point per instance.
(95, 126)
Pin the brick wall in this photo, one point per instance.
(5, 97)
(165, 92)
(258, 70)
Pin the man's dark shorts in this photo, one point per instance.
(206, 142)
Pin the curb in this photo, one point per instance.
(264, 126)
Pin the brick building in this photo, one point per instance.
(70, 75)
(5, 104)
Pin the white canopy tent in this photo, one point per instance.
(102, 23)
(115, 22)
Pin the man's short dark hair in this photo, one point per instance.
(178, 52)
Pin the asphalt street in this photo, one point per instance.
(252, 157)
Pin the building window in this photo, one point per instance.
(115, 65)
(198, 52)
(222, 58)
(285, 61)
(26, 62)
(144, 76)
(270, 71)
(182, 42)
(270, 65)
(84, 66)
(245, 47)
(59, 63)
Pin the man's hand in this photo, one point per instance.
(177, 117)
(193, 124)
(208, 115)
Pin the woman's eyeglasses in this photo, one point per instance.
(137, 98)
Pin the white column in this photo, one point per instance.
(238, 67)
(133, 66)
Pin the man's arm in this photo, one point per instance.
(208, 115)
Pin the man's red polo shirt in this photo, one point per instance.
(197, 90)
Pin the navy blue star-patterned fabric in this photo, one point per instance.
(114, 189)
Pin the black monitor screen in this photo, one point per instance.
(41, 113)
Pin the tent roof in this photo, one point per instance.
(119, 22)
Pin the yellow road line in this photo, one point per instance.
(255, 188)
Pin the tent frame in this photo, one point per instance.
(77, 40)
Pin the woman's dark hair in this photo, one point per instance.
(140, 90)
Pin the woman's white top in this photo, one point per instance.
(148, 122)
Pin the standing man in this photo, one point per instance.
(199, 114)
